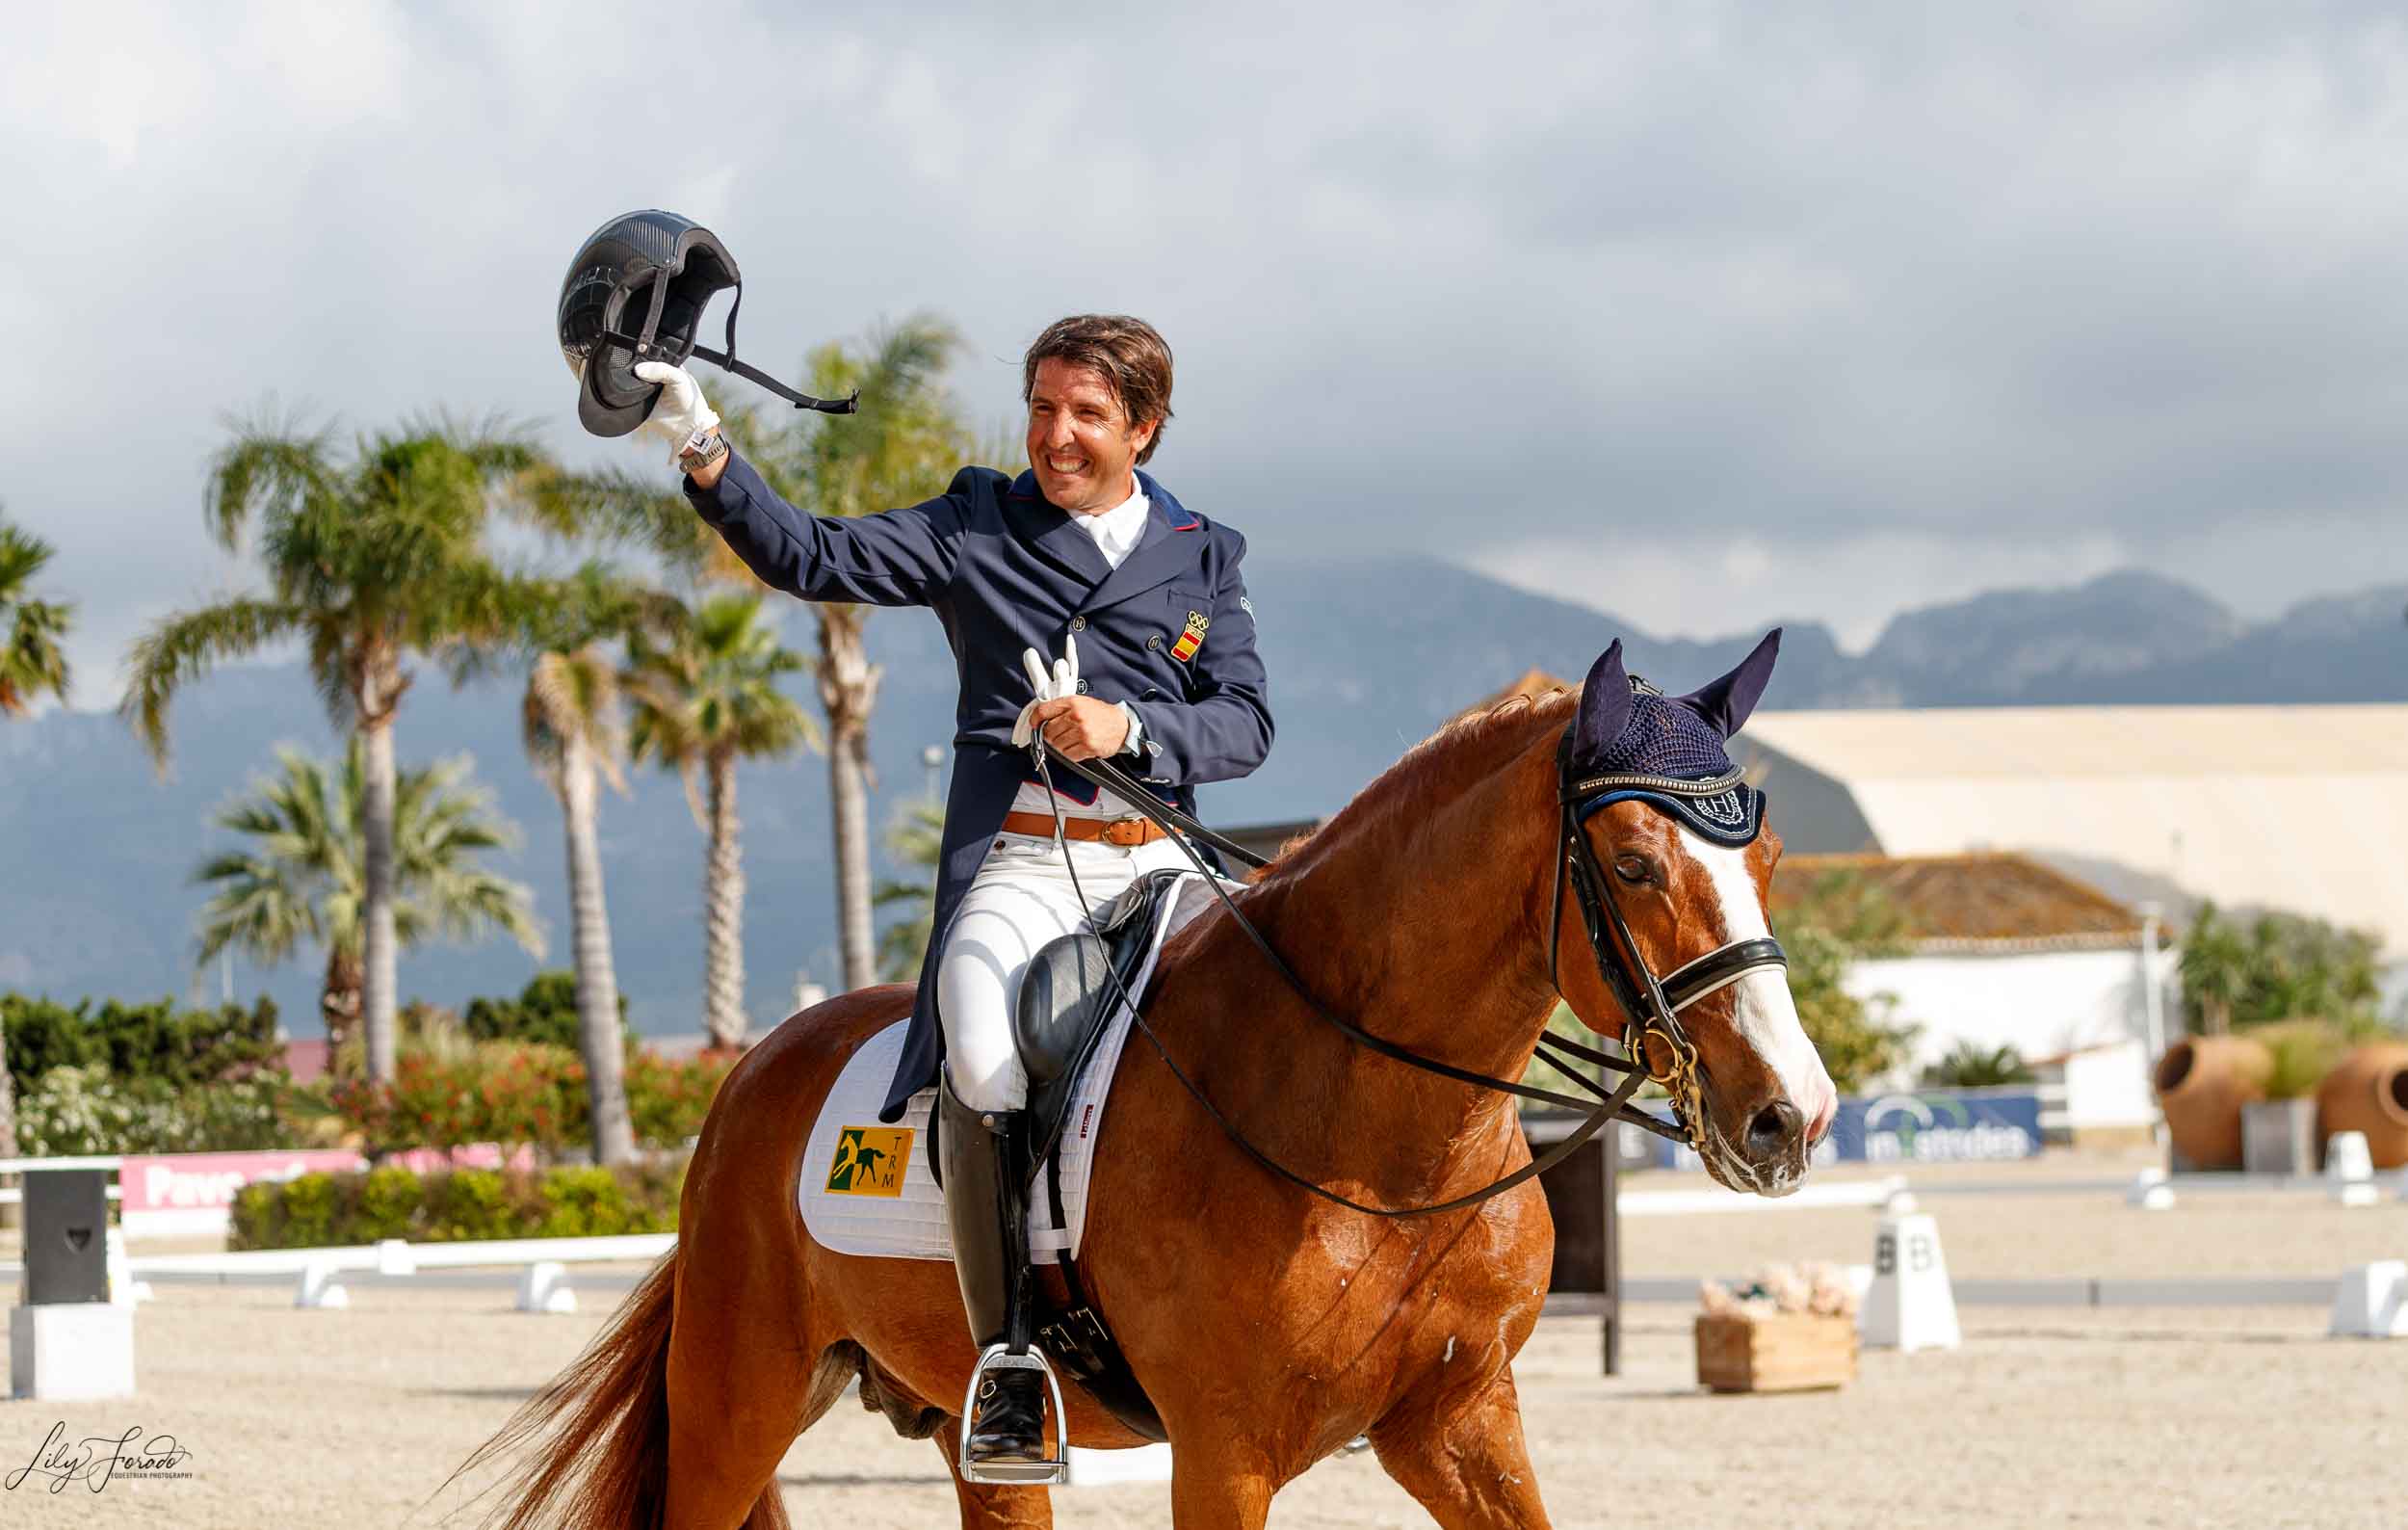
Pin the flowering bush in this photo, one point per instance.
(87, 1109)
(464, 1204)
(669, 1099)
(518, 1092)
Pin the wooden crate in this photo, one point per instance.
(1785, 1352)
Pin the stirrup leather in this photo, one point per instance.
(1047, 1470)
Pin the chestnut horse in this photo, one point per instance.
(1267, 1325)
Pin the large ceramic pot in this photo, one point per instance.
(2202, 1083)
(2369, 1092)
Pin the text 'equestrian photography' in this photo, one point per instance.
(1210, 767)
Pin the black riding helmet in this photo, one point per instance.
(636, 292)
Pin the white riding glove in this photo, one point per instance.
(682, 413)
(1062, 681)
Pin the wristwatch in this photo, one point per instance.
(702, 448)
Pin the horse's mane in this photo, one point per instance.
(1461, 752)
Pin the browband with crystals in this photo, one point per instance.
(1725, 809)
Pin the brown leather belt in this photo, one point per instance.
(1126, 832)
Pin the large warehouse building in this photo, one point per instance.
(2302, 808)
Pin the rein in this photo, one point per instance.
(1654, 1013)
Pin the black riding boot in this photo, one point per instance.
(986, 1211)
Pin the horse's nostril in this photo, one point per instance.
(1775, 1129)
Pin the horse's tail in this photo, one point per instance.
(600, 1430)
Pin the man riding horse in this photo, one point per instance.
(1082, 555)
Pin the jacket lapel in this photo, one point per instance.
(1036, 521)
(1161, 554)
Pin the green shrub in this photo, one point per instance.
(512, 1093)
(87, 1109)
(544, 1013)
(460, 1205)
(667, 1100)
(157, 1042)
(2237, 976)
(303, 1212)
(1836, 921)
(2304, 1053)
(1970, 1066)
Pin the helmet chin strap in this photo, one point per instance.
(725, 361)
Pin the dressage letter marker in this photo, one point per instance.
(1911, 1305)
(2373, 1301)
(870, 1161)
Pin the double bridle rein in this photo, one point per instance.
(1656, 1048)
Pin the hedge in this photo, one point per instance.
(161, 1041)
(505, 1092)
(314, 1211)
(88, 1110)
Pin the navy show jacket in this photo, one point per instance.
(1005, 570)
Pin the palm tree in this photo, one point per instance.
(31, 661)
(575, 728)
(916, 838)
(32, 658)
(368, 561)
(902, 447)
(2216, 970)
(705, 695)
(302, 877)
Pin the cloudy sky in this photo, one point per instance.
(1709, 314)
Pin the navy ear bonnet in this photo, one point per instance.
(1633, 742)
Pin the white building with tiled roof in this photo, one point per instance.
(2000, 950)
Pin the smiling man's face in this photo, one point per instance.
(1080, 442)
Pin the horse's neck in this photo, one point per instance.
(1422, 934)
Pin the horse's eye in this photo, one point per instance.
(1637, 870)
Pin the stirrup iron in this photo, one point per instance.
(1050, 1470)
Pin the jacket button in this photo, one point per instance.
(1154, 642)
(1078, 624)
(1083, 688)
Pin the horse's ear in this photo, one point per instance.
(1726, 702)
(1605, 705)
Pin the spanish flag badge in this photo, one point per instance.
(1192, 639)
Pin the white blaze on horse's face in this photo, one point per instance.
(1766, 1015)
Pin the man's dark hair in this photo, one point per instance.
(1134, 359)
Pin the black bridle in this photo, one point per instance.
(1650, 1006)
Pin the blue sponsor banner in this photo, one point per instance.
(1919, 1127)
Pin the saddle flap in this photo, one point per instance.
(1065, 989)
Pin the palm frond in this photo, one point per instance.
(23, 556)
(272, 468)
(184, 647)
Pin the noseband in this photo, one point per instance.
(1653, 1038)
(1650, 1006)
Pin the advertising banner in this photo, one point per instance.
(1919, 1127)
(174, 1193)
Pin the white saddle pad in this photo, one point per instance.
(866, 1188)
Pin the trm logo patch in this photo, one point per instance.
(870, 1161)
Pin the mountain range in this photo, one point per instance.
(1366, 657)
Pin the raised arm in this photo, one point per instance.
(898, 558)
(895, 558)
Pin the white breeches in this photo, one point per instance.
(1021, 897)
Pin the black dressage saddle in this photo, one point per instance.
(1068, 994)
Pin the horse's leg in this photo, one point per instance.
(1464, 1460)
(991, 1506)
(1218, 1487)
(729, 1427)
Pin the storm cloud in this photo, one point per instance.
(1705, 314)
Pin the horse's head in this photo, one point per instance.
(1681, 850)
